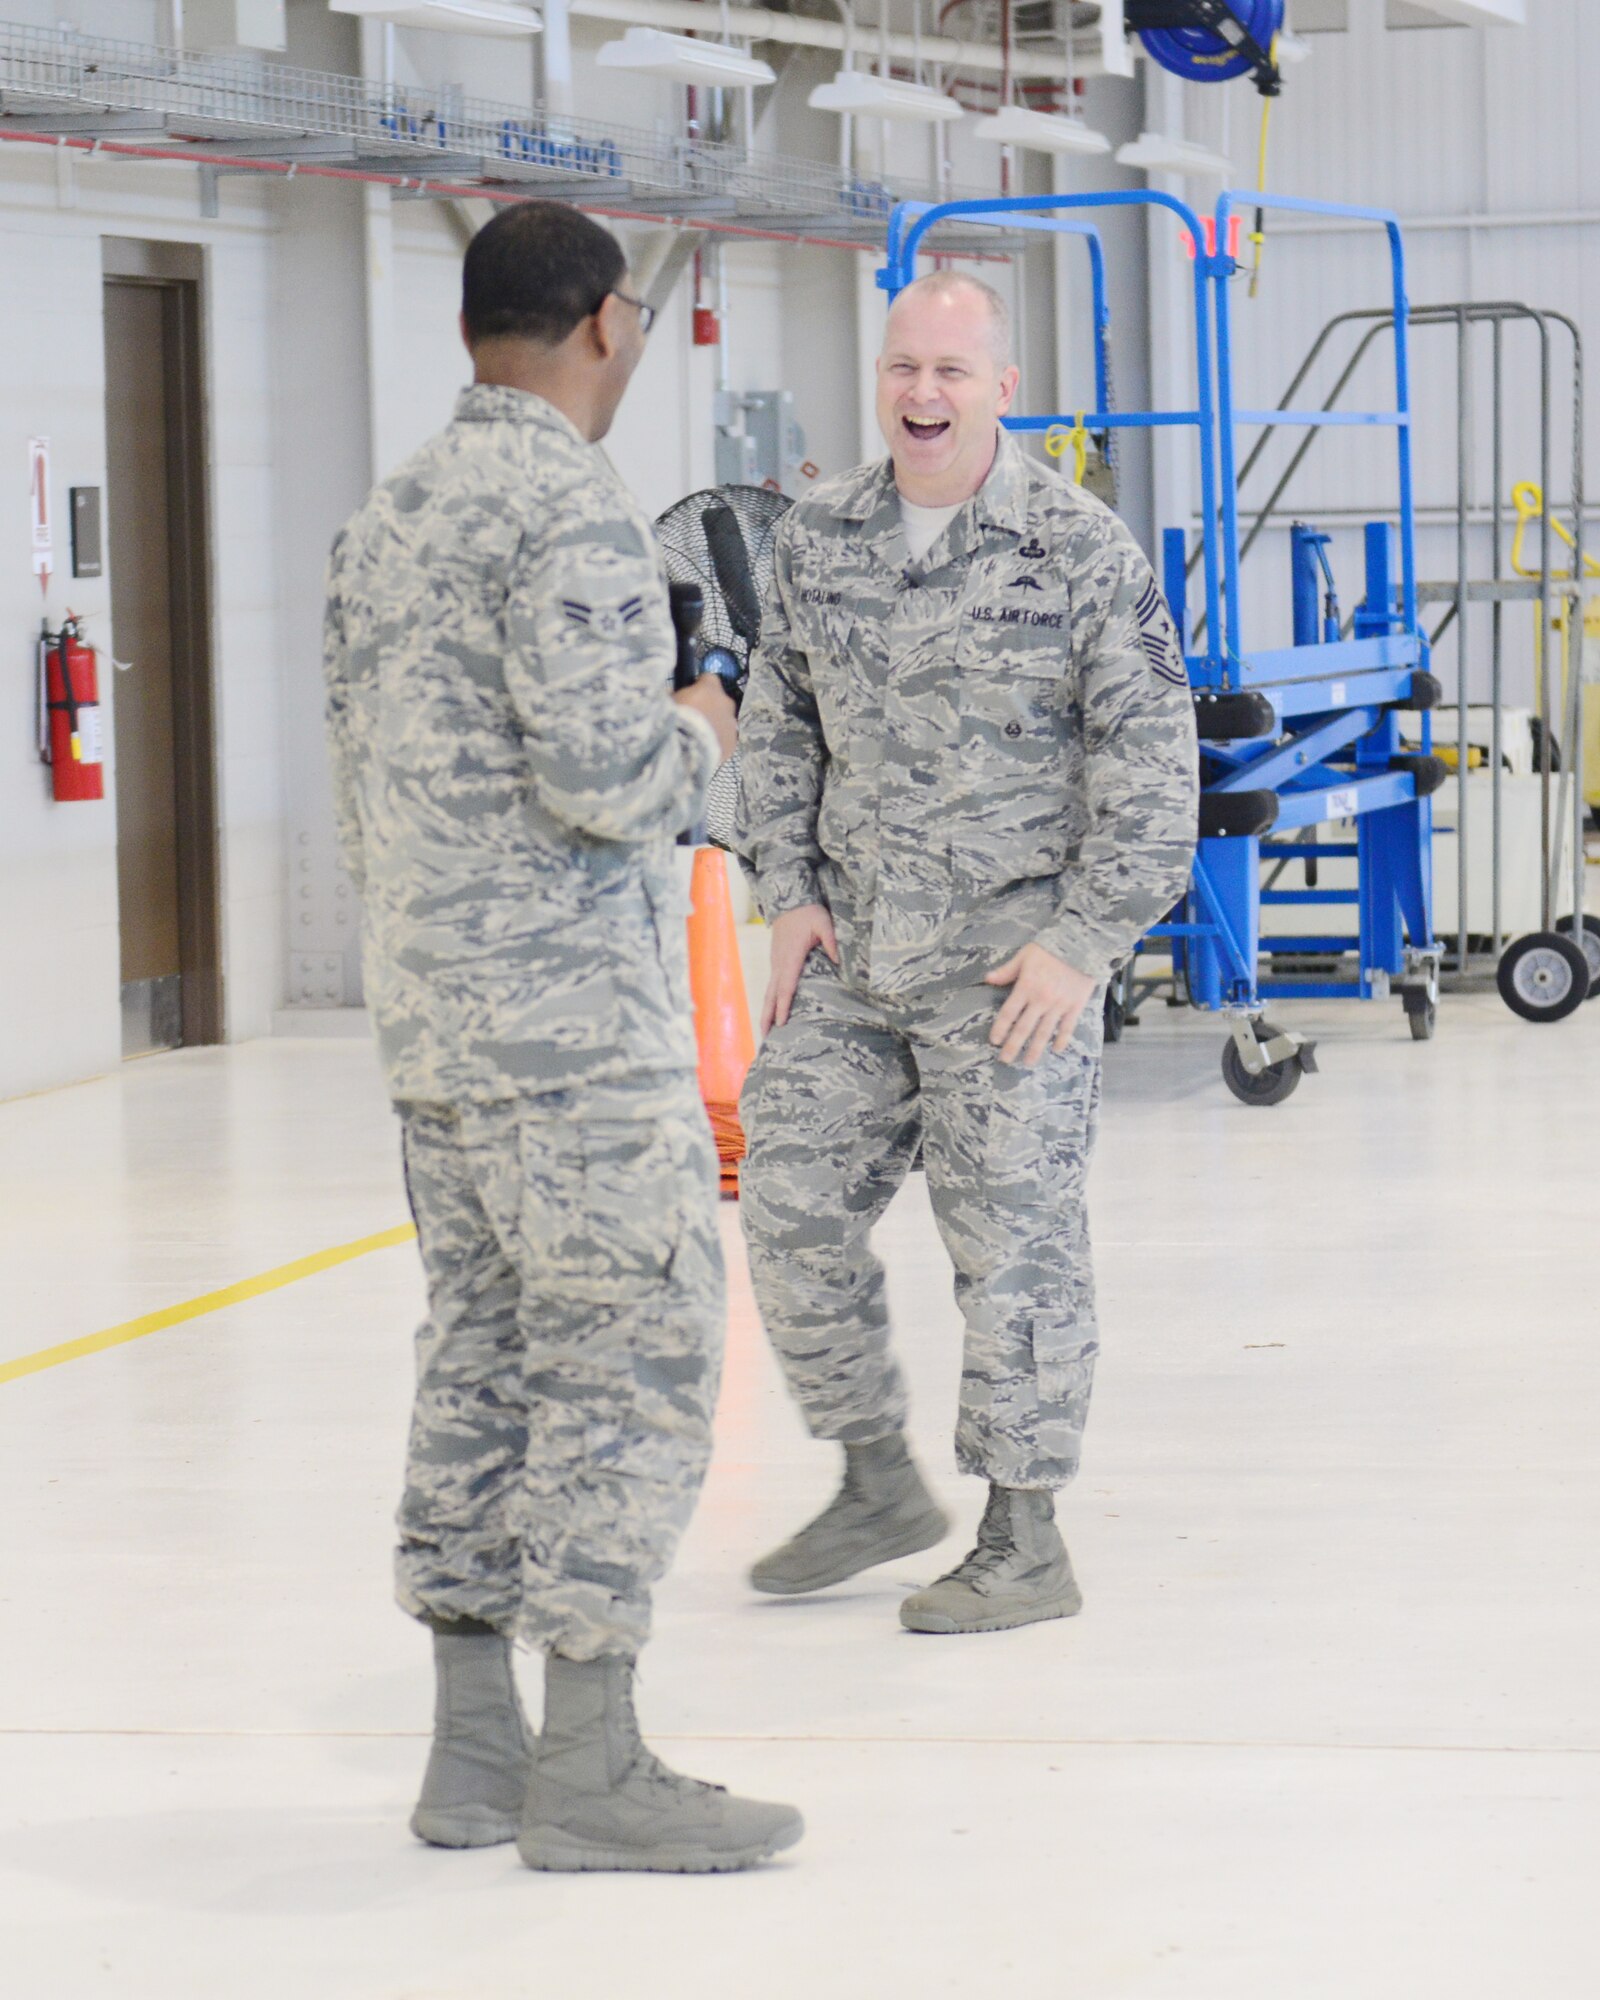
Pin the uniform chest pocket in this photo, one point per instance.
(1016, 710)
(1020, 763)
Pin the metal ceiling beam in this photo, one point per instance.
(86, 124)
(270, 149)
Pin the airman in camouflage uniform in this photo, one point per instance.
(510, 774)
(954, 757)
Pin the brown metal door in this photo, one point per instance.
(165, 786)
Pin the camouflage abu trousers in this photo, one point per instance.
(832, 1111)
(568, 1367)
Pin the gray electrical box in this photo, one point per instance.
(87, 559)
(780, 444)
(758, 441)
(736, 459)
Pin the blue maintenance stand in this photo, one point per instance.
(1293, 739)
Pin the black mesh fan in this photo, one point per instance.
(721, 539)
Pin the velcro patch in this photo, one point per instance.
(1157, 637)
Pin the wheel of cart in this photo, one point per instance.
(1589, 938)
(1419, 995)
(1544, 976)
(1261, 1064)
(1422, 1013)
(1118, 1011)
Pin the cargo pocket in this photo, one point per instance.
(1037, 1129)
(1039, 1134)
(604, 1207)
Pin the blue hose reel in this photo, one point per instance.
(1211, 41)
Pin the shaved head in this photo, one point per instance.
(954, 284)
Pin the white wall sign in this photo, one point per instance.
(39, 509)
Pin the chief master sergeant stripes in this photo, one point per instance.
(968, 765)
(510, 774)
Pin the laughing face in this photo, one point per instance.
(943, 385)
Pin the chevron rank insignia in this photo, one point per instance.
(1157, 638)
(606, 619)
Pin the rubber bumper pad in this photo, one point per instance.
(1237, 815)
(1230, 718)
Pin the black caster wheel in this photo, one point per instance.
(1116, 1015)
(1273, 1085)
(1422, 1014)
(1589, 939)
(1544, 976)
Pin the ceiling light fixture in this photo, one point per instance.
(1158, 154)
(650, 52)
(857, 93)
(1040, 131)
(448, 17)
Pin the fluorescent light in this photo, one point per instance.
(448, 17)
(1040, 132)
(1158, 154)
(653, 53)
(858, 92)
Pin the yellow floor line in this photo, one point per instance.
(230, 1295)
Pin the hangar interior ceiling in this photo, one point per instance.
(243, 112)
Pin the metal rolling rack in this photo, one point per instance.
(1472, 964)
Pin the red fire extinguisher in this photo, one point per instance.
(72, 744)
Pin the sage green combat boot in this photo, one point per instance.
(1018, 1573)
(477, 1775)
(597, 1797)
(882, 1511)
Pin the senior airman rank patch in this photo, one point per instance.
(606, 619)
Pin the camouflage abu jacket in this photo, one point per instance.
(509, 770)
(993, 748)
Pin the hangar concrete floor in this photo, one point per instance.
(1326, 1726)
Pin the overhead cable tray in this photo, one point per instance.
(251, 114)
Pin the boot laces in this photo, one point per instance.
(649, 1766)
(995, 1548)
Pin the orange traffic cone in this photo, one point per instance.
(722, 1028)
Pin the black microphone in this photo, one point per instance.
(688, 605)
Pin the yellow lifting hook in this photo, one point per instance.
(1528, 499)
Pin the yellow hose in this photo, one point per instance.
(1258, 236)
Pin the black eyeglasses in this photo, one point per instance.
(647, 314)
